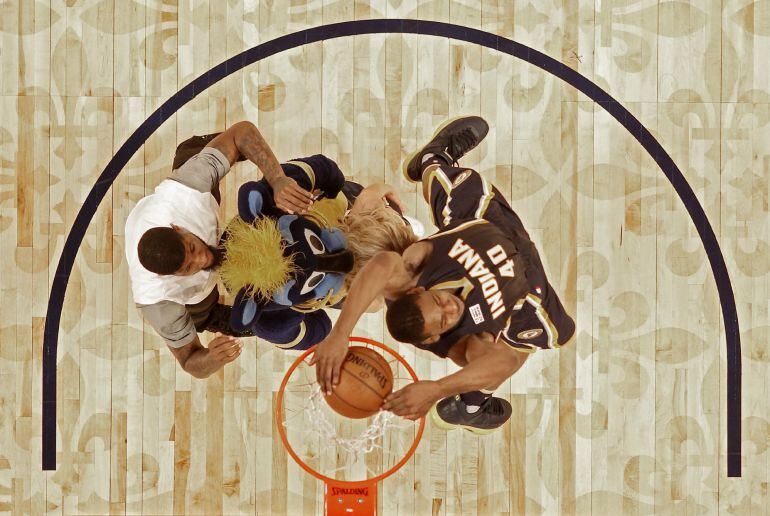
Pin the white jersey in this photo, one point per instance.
(171, 203)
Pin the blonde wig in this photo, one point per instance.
(372, 231)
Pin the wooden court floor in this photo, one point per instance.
(630, 418)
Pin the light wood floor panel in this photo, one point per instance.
(629, 418)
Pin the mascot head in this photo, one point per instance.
(280, 261)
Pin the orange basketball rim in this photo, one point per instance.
(343, 497)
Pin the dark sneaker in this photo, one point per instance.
(451, 413)
(452, 140)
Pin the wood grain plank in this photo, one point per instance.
(128, 49)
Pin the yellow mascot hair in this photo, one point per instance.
(254, 258)
(328, 213)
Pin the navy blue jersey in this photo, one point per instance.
(479, 264)
(537, 319)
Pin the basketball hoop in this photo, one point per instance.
(338, 450)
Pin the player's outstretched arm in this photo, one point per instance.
(487, 365)
(202, 362)
(244, 138)
(381, 273)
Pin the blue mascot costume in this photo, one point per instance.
(285, 268)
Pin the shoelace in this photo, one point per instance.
(494, 407)
(461, 142)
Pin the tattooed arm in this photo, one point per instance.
(243, 138)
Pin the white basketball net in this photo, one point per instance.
(364, 443)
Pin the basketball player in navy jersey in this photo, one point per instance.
(475, 292)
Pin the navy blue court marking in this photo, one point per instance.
(447, 30)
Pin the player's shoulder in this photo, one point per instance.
(415, 255)
(209, 157)
(480, 338)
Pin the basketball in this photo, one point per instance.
(365, 381)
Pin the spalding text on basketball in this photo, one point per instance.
(362, 362)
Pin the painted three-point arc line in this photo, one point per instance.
(428, 28)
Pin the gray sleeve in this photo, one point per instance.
(171, 321)
(203, 171)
